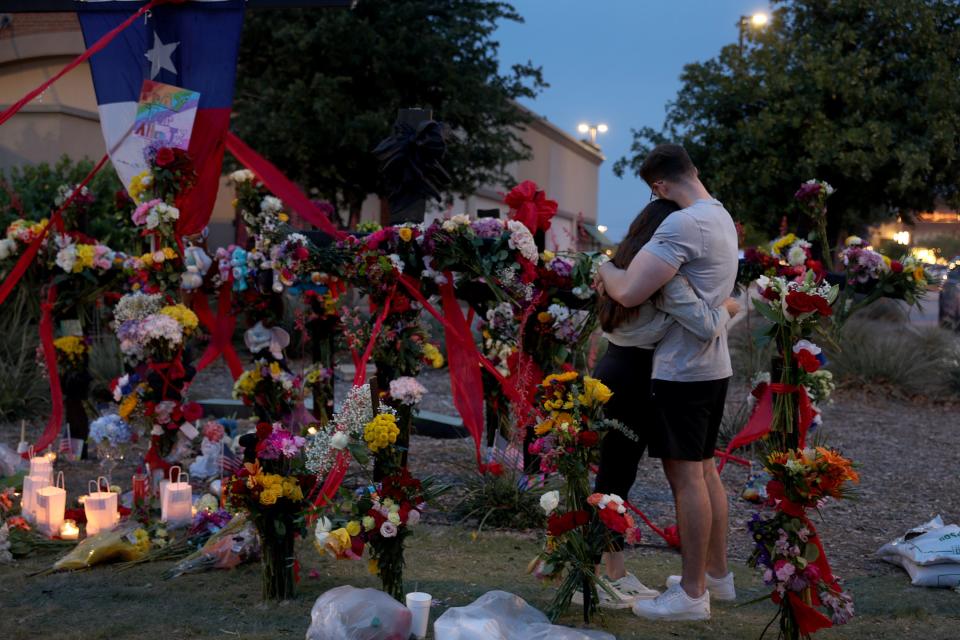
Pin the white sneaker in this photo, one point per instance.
(674, 604)
(719, 588)
(628, 585)
(618, 600)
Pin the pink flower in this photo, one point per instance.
(140, 213)
(213, 431)
(413, 517)
(784, 570)
(388, 529)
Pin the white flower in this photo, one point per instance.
(340, 440)
(8, 248)
(796, 256)
(388, 529)
(394, 517)
(854, 241)
(806, 345)
(271, 205)
(396, 262)
(322, 532)
(67, 258)
(240, 176)
(550, 501)
(522, 240)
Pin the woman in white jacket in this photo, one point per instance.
(632, 336)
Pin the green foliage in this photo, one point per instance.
(864, 94)
(911, 362)
(23, 392)
(318, 90)
(30, 191)
(498, 501)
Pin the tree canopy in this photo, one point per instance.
(864, 94)
(318, 90)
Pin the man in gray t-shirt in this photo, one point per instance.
(690, 377)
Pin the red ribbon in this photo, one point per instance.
(360, 361)
(761, 420)
(76, 62)
(50, 359)
(281, 186)
(56, 221)
(221, 330)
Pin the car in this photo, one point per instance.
(949, 314)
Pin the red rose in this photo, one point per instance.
(613, 520)
(770, 294)
(560, 524)
(588, 438)
(807, 361)
(494, 468)
(799, 303)
(164, 157)
(192, 411)
(264, 429)
(896, 266)
(301, 253)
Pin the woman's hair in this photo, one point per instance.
(610, 312)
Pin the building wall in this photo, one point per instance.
(64, 120)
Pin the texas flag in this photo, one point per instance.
(191, 45)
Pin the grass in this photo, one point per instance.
(103, 604)
(907, 360)
(23, 390)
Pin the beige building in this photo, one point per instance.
(64, 120)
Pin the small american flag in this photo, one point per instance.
(230, 463)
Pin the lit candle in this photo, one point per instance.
(69, 530)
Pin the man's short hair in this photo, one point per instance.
(666, 162)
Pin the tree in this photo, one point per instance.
(864, 94)
(318, 90)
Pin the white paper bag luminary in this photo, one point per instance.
(176, 499)
(51, 504)
(100, 508)
(31, 485)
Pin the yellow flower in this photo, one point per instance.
(269, 496)
(544, 427)
(547, 256)
(886, 260)
(84, 258)
(246, 384)
(187, 318)
(147, 259)
(274, 369)
(71, 346)
(292, 490)
(432, 355)
(353, 528)
(139, 184)
(338, 542)
(594, 392)
(373, 567)
(169, 253)
(369, 523)
(544, 317)
(381, 432)
(566, 376)
(127, 406)
(142, 543)
(783, 243)
(919, 275)
(283, 217)
(405, 233)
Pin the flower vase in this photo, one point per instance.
(277, 556)
(390, 568)
(110, 455)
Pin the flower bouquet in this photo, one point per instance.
(567, 441)
(273, 491)
(788, 549)
(812, 198)
(269, 388)
(112, 435)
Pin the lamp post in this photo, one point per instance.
(592, 130)
(758, 20)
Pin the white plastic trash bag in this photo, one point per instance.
(498, 615)
(929, 553)
(348, 613)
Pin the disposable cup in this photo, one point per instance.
(419, 605)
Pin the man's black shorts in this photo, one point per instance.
(686, 418)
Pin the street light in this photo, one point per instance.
(592, 130)
(758, 20)
(602, 228)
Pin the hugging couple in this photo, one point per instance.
(664, 308)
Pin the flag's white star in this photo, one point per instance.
(159, 56)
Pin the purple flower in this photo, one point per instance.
(487, 227)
